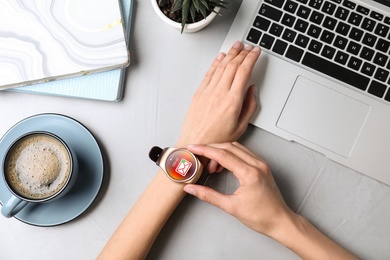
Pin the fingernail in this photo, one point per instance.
(256, 49)
(189, 190)
(237, 45)
(220, 56)
(249, 47)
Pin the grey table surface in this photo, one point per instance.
(166, 69)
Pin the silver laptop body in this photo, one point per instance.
(345, 123)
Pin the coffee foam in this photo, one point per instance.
(38, 166)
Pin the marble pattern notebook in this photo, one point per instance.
(106, 86)
(50, 39)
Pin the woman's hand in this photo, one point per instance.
(223, 104)
(257, 202)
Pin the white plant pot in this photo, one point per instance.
(189, 28)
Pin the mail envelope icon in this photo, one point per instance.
(183, 167)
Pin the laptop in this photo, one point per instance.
(41, 41)
(323, 76)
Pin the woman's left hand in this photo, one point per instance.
(223, 105)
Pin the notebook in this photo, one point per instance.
(41, 41)
(323, 76)
(106, 86)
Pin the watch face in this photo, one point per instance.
(181, 165)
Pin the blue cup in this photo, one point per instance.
(38, 167)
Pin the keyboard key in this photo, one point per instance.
(368, 24)
(380, 59)
(276, 29)
(376, 15)
(301, 25)
(289, 35)
(288, 20)
(369, 39)
(381, 74)
(329, 23)
(368, 69)
(277, 3)
(328, 52)
(387, 97)
(387, 20)
(340, 42)
(341, 57)
(290, 7)
(382, 45)
(294, 53)
(327, 36)
(316, 17)
(279, 47)
(353, 47)
(342, 13)
(302, 41)
(303, 12)
(377, 89)
(314, 31)
(355, 19)
(356, 34)
(343, 28)
(253, 36)
(315, 4)
(261, 23)
(349, 4)
(367, 53)
(315, 46)
(267, 41)
(355, 63)
(328, 8)
(336, 71)
(270, 12)
(363, 10)
(381, 30)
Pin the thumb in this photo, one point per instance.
(208, 195)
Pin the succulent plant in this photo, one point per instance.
(191, 8)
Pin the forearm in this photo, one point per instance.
(137, 232)
(300, 236)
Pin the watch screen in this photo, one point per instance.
(181, 165)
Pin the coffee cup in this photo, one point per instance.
(38, 167)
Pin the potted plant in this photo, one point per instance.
(188, 15)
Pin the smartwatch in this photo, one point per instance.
(179, 164)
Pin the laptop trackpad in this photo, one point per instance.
(323, 116)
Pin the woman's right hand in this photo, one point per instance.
(257, 202)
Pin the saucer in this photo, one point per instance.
(89, 179)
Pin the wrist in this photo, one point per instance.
(288, 224)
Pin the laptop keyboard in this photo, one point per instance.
(339, 38)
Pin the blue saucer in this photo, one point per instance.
(88, 182)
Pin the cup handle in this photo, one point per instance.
(13, 206)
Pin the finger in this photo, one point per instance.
(209, 74)
(214, 166)
(225, 155)
(246, 150)
(248, 108)
(231, 54)
(209, 195)
(244, 71)
(242, 156)
(238, 68)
